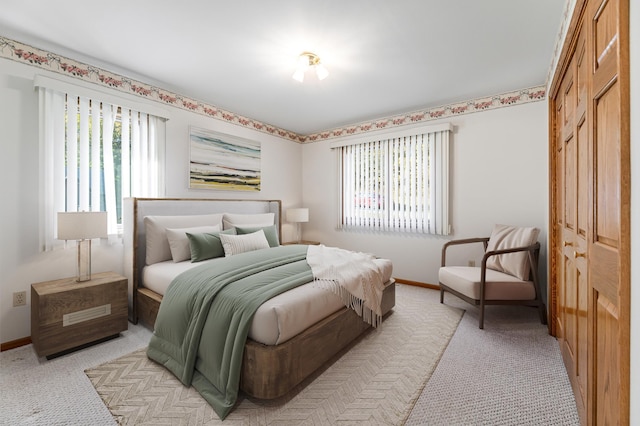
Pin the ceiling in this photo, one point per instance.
(384, 57)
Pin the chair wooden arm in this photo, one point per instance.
(483, 240)
(532, 249)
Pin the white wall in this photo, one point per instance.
(499, 174)
(21, 264)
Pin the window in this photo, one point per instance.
(397, 184)
(94, 153)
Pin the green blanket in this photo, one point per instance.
(205, 315)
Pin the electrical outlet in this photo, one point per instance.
(19, 298)
(472, 263)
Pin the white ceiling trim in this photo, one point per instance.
(23, 53)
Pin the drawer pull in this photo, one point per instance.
(86, 315)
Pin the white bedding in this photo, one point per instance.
(278, 319)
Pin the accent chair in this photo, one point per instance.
(508, 274)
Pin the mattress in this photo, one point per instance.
(278, 319)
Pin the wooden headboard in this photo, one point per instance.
(134, 211)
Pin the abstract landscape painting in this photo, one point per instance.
(224, 162)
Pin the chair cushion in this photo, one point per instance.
(499, 286)
(506, 237)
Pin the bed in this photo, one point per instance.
(273, 363)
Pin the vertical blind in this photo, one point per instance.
(397, 184)
(81, 170)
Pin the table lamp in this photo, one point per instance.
(82, 226)
(298, 216)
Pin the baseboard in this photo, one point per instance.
(417, 284)
(15, 344)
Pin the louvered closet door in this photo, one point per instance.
(609, 242)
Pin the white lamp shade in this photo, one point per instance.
(82, 225)
(299, 75)
(321, 72)
(298, 215)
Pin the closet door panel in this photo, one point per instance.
(607, 394)
(607, 144)
(583, 217)
(573, 174)
(606, 243)
(558, 291)
(605, 260)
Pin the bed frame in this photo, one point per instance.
(267, 371)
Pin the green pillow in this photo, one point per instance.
(207, 245)
(269, 231)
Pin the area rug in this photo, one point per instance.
(375, 381)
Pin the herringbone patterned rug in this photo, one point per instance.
(376, 381)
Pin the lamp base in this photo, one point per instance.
(298, 232)
(84, 260)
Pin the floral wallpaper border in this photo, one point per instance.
(14, 50)
(482, 104)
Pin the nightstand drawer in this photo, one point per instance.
(66, 314)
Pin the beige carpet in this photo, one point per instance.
(376, 381)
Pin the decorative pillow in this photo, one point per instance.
(270, 232)
(208, 245)
(236, 244)
(158, 249)
(231, 220)
(506, 237)
(179, 242)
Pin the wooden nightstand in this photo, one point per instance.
(66, 314)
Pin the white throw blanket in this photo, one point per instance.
(353, 276)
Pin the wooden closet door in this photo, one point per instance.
(573, 178)
(609, 268)
(590, 210)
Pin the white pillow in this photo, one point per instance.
(158, 249)
(179, 242)
(506, 237)
(236, 244)
(231, 220)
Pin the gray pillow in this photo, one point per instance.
(269, 231)
(207, 245)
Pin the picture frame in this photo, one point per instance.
(223, 162)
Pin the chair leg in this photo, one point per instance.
(441, 295)
(481, 322)
(543, 313)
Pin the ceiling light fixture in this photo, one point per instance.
(309, 60)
